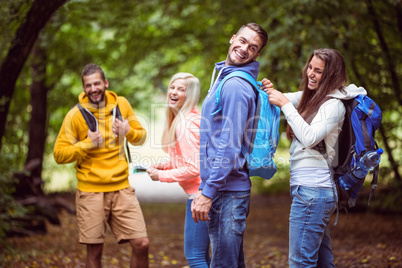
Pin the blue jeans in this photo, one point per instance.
(196, 241)
(226, 227)
(309, 238)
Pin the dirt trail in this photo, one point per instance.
(363, 240)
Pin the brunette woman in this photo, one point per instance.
(315, 113)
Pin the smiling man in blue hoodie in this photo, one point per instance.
(224, 195)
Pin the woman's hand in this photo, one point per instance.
(266, 85)
(277, 98)
(153, 173)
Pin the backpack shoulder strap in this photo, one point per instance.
(241, 74)
(89, 118)
(345, 141)
(117, 114)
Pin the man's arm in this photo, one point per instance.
(237, 98)
(68, 148)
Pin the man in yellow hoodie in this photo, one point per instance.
(103, 195)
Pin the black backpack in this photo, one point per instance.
(92, 123)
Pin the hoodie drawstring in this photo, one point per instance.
(216, 80)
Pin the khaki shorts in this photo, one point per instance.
(119, 209)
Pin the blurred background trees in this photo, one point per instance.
(141, 44)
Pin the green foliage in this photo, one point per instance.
(277, 184)
(15, 140)
(9, 208)
(12, 13)
(386, 200)
(141, 45)
(58, 178)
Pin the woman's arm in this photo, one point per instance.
(280, 99)
(328, 117)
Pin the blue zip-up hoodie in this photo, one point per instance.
(222, 135)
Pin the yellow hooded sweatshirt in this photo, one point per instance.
(103, 168)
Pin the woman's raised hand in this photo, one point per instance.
(266, 85)
(275, 97)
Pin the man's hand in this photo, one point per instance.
(200, 207)
(95, 137)
(121, 128)
(153, 173)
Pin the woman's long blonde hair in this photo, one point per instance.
(174, 117)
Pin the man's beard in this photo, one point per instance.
(97, 103)
(232, 62)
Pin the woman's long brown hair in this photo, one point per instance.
(334, 77)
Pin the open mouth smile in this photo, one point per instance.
(239, 54)
(173, 99)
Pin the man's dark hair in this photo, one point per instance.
(91, 69)
(259, 30)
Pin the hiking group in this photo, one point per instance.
(214, 152)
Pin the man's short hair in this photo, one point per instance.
(259, 30)
(91, 69)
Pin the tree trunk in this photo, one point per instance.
(387, 53)
(394, 77)
(24, 39)
(394, 165)
(398, 13)
(37, 126)
(28, 190)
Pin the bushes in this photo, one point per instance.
(278, 184)
(9, 208)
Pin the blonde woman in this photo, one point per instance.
(181, 140)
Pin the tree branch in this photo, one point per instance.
(25, 37)
(389, 152)
(381, 129)
(386, 51)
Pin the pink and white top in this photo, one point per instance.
(183, 166)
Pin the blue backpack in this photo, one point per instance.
(362, 118)
(265, 135)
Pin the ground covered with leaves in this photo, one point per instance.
(363, 240)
